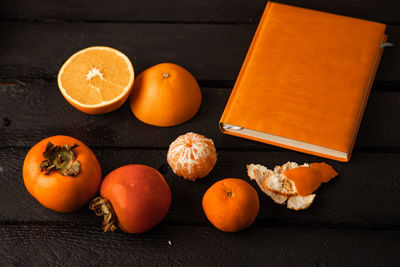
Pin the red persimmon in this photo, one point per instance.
(133, 197)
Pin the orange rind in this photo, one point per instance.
(260, 174)
(291, 183)
(306, 179)
(165, 95)
(326, 170)
(96, 80)
(300, 202)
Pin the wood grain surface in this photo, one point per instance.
(28, 117)
(210, 51)
(175, 11)
(74, 244)
(358, 197)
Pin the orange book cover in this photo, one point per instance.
(305, 81)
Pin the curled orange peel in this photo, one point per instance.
(306, 179)
(326, 170)
(290, 183)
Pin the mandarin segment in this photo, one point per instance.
(96, 79)
(192, 156)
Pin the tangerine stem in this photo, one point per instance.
(165, 75)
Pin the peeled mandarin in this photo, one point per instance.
(192, 156)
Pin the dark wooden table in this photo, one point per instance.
(355, 219)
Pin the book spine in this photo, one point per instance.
(225, 114)
(372, 77)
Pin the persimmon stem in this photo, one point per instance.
(103, 207)
(60, 159)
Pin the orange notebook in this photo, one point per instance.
(305, 81)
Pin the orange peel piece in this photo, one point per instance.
(260, 173)
(326, 170)
(300, 202)
(306, 179)
(290, 183)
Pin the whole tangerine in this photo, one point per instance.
(165, 95)
(192, 156)
(231, 205)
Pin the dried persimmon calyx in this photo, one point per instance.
(61, 159)
(103, 207)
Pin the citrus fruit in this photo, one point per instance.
(96, 80)
(231, 205)
(165, 95)
(192, 156)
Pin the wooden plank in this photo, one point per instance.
(34, 110)
(196, 246)
(388, 68)
(193, 11)
(209, 51)
(365, 195)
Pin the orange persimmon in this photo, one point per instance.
(62, 173)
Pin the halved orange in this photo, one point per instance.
(97, 79)
(165, 95)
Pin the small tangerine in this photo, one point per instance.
(192, 156)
